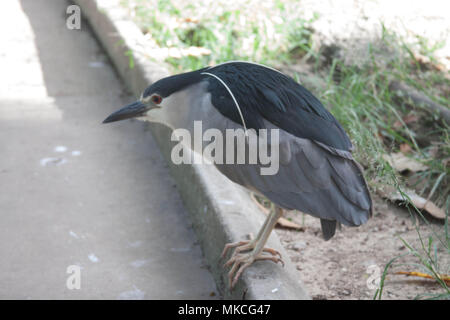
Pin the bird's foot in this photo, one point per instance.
(241, 246)
(246, 245)
(241, 261)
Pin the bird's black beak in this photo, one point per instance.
(135, 109)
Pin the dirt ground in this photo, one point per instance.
(342, 267)
(352, 24)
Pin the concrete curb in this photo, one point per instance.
(220, 210)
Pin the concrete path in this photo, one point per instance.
(73, 191)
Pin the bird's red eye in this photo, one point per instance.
(157, 99)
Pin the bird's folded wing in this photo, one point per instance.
(313, 178)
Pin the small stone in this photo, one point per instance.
(298, 245)
(345, 292)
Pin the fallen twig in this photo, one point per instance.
(420, 99)
(443, 277)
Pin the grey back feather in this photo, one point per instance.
(322, 182)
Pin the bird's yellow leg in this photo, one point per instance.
(246, 244)
(240, 261)
(250, 244)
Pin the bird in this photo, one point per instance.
(317, 173)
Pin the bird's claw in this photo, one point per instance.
(229, 246)
(246, 243)
(245, 246)
(241, 262)
(274, 253)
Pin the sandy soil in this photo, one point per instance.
(341, 267)
(353, 24)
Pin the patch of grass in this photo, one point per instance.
(427, 260)
(231, 33)
(375, 119)
(130, 56)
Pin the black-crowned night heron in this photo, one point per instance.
(316, 173)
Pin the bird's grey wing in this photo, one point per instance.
(313, 177)
(265, 94)
(316, 179)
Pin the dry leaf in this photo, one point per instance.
(446, 162)
(285, 223)
(392, 194)
(433, 151)
(410, 118)
(191, 20)
(405, 148)
(426, 62)
(401, 163)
